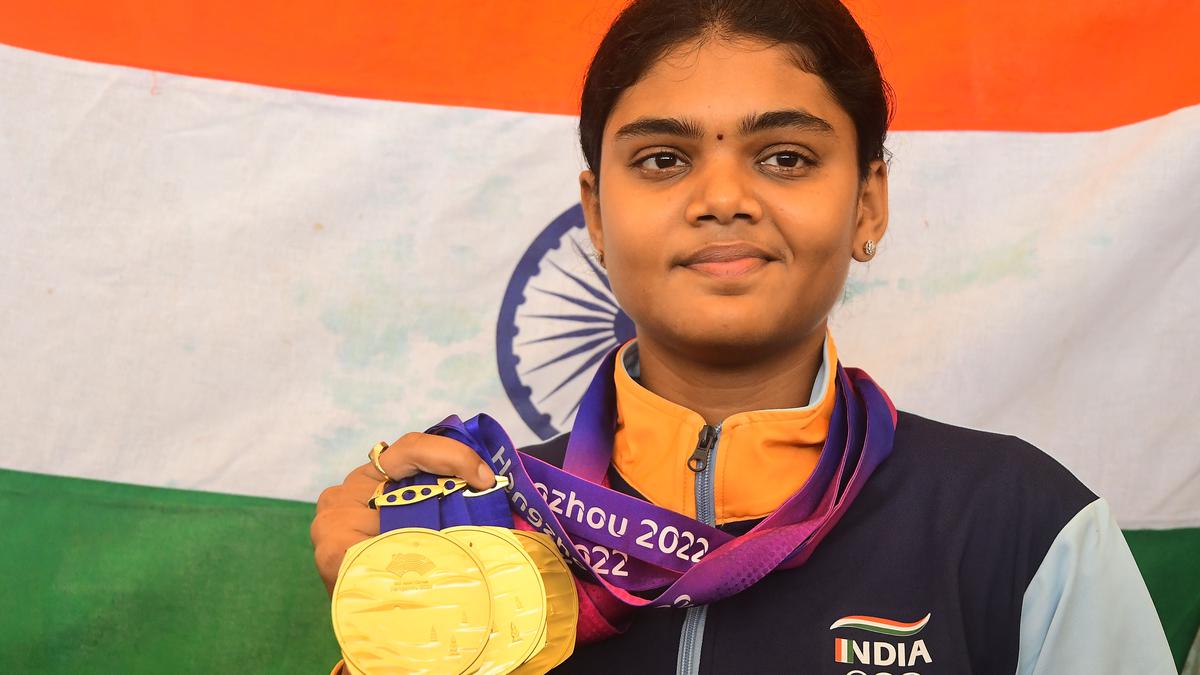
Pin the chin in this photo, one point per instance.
(726, 337)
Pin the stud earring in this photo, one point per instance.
(869, 248)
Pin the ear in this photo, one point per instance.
(589, 198)
(872, 209)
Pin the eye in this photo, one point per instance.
(788, 160)
(661, 161)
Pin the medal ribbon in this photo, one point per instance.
(624, 545)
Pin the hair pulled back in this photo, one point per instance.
(826, 39)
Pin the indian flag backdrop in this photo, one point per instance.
(243, 241)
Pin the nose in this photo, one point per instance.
(723, 194)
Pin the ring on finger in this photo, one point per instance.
(375, 453)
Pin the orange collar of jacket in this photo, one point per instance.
(762, 457)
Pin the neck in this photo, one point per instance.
(779, 378)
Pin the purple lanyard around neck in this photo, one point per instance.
(626, 545)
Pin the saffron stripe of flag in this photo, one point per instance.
(1021, 66)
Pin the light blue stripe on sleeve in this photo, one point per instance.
(1087, 610)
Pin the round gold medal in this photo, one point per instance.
(411, 601)
(518, 596)
(562, 603)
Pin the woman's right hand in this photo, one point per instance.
(343, 518)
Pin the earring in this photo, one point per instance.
(869, 248)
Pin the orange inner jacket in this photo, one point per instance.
(762, 457)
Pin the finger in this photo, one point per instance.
(356, 490)
(360, 484)
(437, 455)
(330, 554)
(329, 524)
(337, 497)
(369, 471)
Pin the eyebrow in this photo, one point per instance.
(796, 118)
(784, 119)
(661, 126)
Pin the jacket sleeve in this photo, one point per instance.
(1087, 610)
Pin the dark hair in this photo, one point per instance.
(827, 41)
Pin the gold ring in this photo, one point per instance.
(374, 455)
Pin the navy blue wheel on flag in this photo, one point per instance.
(557, 321)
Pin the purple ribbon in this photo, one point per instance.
(627, 545)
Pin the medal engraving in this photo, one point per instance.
(518, 596)
(412, 600)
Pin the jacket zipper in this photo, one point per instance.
(703, 458)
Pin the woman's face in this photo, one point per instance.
(730, 203)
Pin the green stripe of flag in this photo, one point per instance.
(110, 578)
(1170, 564)
(103, 577)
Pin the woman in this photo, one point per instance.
(736, 167)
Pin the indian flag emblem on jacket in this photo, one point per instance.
(878, 625)
(880, 652)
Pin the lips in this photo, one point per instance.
(727, 260)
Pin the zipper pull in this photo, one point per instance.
(704, 447)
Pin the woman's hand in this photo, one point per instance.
(343, 518)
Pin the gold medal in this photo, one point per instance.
(561, 599)
(412, 601)
(518, 596)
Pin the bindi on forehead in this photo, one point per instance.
(720, 137)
